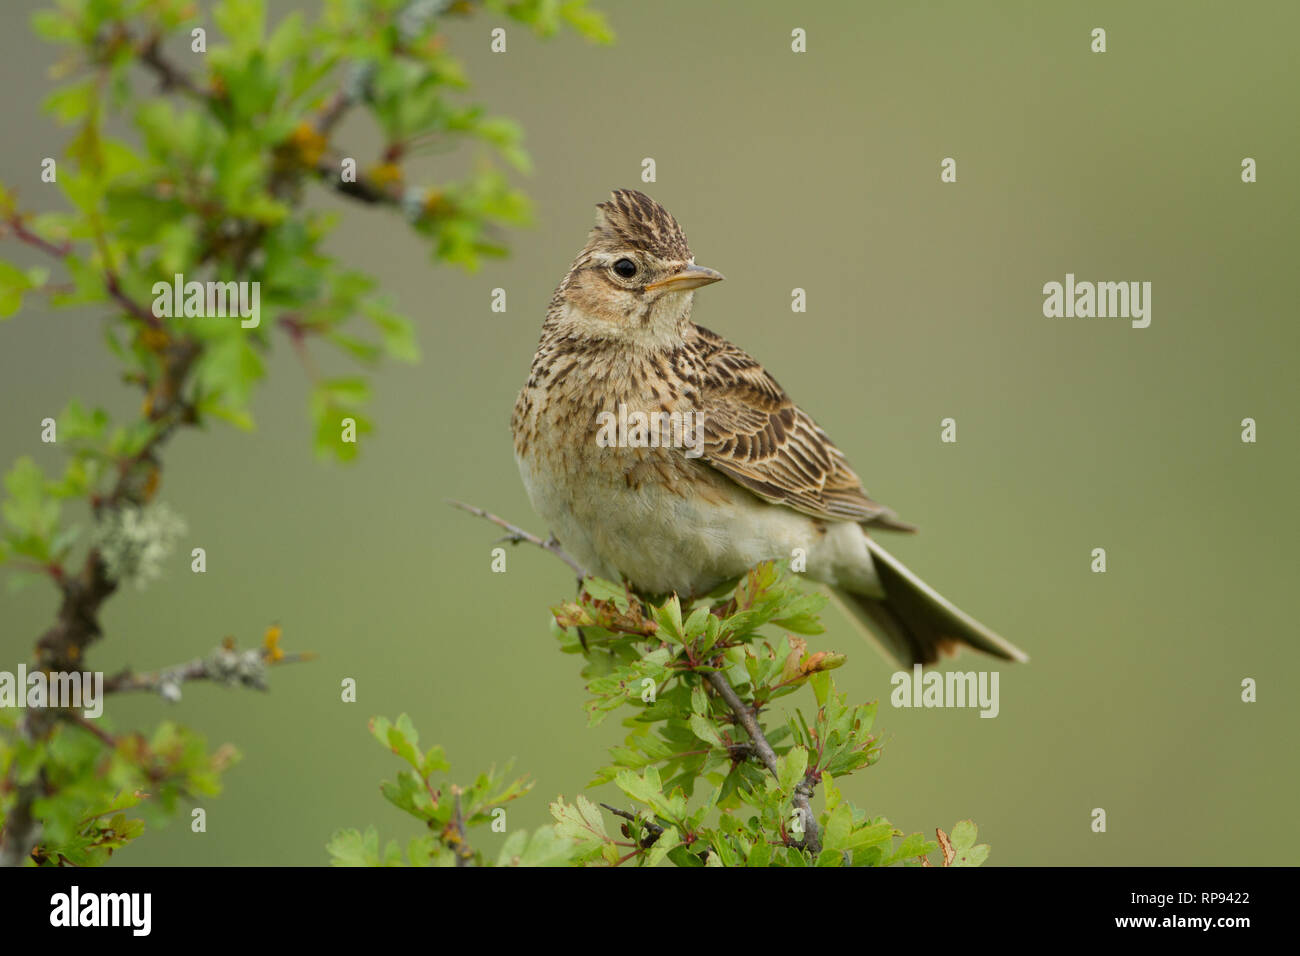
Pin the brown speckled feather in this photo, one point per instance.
(758, 437)
(748, 477)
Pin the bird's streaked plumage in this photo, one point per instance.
(767, 479)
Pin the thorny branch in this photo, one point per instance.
(653, 830)
(803, 791)
(226, 665)
(364, 189)
(62, 646)
(518, 535)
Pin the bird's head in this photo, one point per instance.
(636, 274)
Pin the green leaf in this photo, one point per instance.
(703, 729)
(975, 856)
(581, 822)
(544, 848)
(760, 854)
(353, 848)
(396, 331)
(964, 834)
(242, 21)
(681, 856)
(913, 846)
(230, 366)
(434, 761)
(821, 685)
(669, 617)
(28, 509)
(589, 23)
(791, 768)
(13, 283)
(871, 835)
(401, 738)
(57, 26)
(648, 790)
(71, 103)
(668, 840)
(838, 828)
(698, 622)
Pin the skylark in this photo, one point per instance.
(622, 383)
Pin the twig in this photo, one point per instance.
(364, 190)
(105, 738)
(224, 666)
(22, 830)
(333, 112)
(654, 830)
(461, 848)
(63, 250)
(20, 231)
(170, 76)
(802, 791)
(146, 316)
(517, 535)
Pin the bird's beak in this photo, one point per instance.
(690, 277)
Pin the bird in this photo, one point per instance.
(717, 468)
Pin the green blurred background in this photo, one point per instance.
(818, 171)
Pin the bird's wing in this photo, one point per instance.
(760, 439)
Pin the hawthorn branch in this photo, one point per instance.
(803, 791)
(333, 112)
(518, 535)
(364, 190)
(23, 234)
(759, 745)
(77, 626)
(64, 249)
(225, 665)
(653, 830)
(114, 287)
(170, 76)
(105, 738)
(22, 829)
(458, 839)
(63, 644)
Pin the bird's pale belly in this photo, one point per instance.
(668, 523)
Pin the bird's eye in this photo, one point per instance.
(625, 268)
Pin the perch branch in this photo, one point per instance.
(517, 535)
(803, 791)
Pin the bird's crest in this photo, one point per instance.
(633, 219)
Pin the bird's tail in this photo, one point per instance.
(913, 623)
